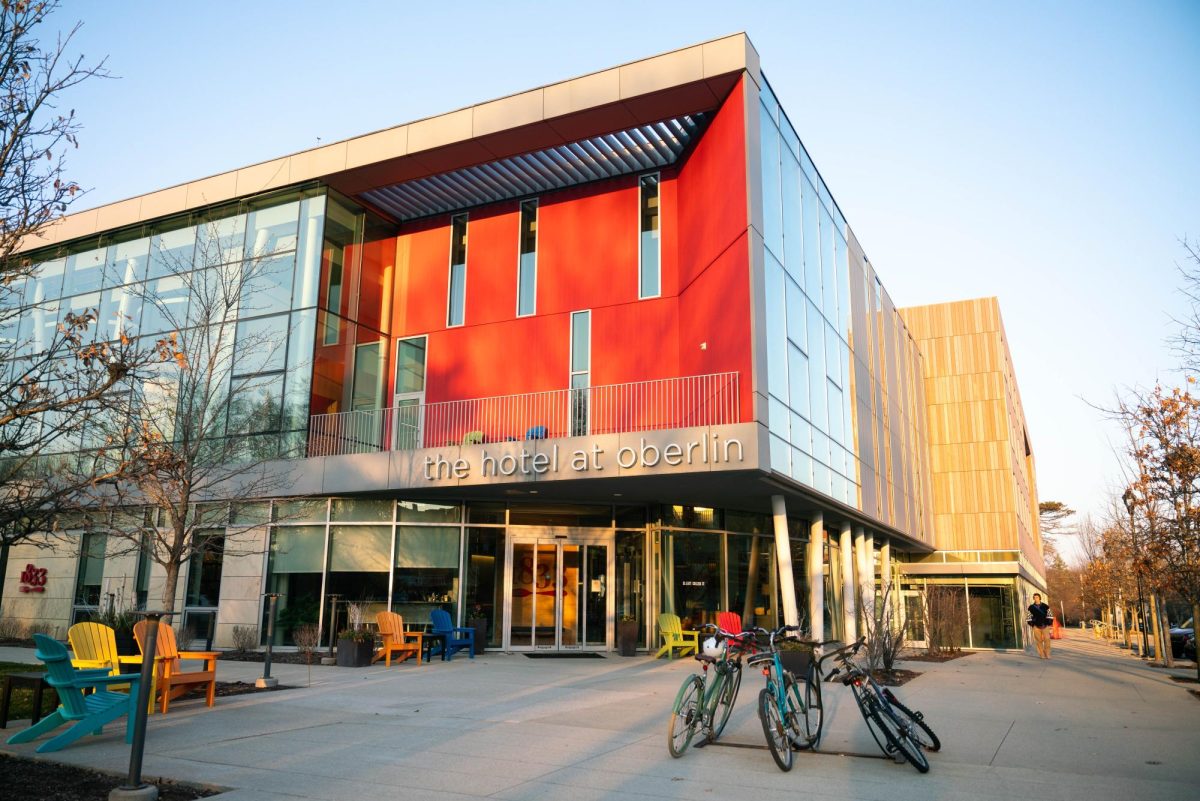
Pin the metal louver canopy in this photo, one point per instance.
(644, 147)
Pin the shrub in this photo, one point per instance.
(13, 629)
(945, 612)
(245, 638)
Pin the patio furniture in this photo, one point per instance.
(395, 639)
(453, 643)
(674, 637)
(433, 641)
(94, 645)
(536, 432)
(90, 713)
(32, 681)
(473, 438)
(171, 681)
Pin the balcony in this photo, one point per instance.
(700, 400)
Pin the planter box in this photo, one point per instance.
(796, 662)
(351, 653)
(481, 633)
(126, 644)
(627, 635)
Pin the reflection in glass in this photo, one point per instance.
(272, 230)
(295, 569)
(171, 252)
(410, 365)
(484, 579)
(696, 567)
(649, 278)
(458, 270)
(527, 269)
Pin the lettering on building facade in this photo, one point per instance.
(33, 579)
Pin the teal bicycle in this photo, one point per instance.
(789, 707)
(705, 700)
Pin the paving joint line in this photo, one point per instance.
(992, 762)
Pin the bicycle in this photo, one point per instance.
(705, 703)
(790, 720)
(897, 730)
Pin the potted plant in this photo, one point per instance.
(121, 622)
(356, 644)
(477, 619)
(627, 635)
(355, 647)
(795, 656)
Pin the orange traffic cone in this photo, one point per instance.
(1056, 630)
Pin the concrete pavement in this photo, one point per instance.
(1092, 723)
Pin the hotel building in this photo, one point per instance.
(596, 351)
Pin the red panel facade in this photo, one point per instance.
(587, 258)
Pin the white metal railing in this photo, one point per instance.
(698, 400)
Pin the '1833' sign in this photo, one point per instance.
(33, 579)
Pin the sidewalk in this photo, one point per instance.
(1092, 723)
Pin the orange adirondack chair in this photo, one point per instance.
(170, 681)
(395, 639)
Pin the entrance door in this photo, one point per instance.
(557, 589)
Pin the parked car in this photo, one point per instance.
(1179, 638)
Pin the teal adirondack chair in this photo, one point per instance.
(90, 712)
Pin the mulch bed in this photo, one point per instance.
(934, 657)
(277, 657)
(1186, 679)
(1195, 694)
(227, 688)
(894, 678)
(30, 780)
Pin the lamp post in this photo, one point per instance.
(266, 681)
(1130, 505)
(134, 788)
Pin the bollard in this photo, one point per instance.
(266, 680)
(134, 788)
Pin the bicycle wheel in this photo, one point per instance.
(867, 703)
(814, 715)
(920, 729)
(726, 699)
(898, 737)
(685, 716)
(774, 730)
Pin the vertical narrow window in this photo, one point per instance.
(527, 267)
(410, 392)
(649, 277)
(581, 371)
(458, 270)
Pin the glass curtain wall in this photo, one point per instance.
(845, 397)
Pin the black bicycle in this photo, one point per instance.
(898, 730)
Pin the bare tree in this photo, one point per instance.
(203, 426)
(60, 369)
(884, 634)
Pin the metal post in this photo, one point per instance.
(333, 601)
(266, 680)
(135, 789)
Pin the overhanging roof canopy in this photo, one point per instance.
(636, 149)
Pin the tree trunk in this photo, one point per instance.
(1195, 620)
(170, 586)
(1168, 657)
(1154, 626)
(1125, 623)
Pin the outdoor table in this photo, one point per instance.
(427, 644)
(33, 680)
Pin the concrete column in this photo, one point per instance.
(885, 578)
(849, 616)
(816, 577)
(783, 556)
(860, 569)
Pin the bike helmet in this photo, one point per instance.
(713, 648)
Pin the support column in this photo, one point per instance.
(868, 585)
(783, 556)
(860, 571)
(816, 577)
(849, 616)
(885, 581)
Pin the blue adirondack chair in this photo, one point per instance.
(90, 712)
(453, 643)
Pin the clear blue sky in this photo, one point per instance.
(1046, 153)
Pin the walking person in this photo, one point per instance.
(1040, 619)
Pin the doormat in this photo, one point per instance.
(566, 655)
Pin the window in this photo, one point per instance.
(458, 270)
(89, 581)
(581, 367)
(649, 275)
(527, 267)
(410, 392)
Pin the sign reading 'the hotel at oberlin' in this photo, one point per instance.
(708, 449)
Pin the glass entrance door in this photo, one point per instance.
(557, 591)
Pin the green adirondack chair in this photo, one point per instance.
(90, 713)
(673, 635)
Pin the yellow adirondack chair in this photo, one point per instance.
(170, 682)
(396, 640)
(95, 646)
(675, 637)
